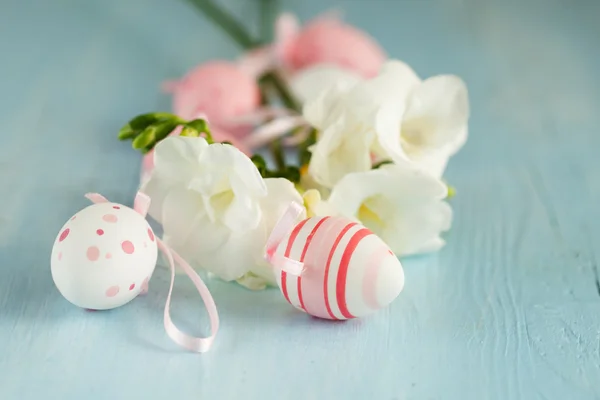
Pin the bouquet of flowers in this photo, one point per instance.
(315, 114)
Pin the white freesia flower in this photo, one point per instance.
(432, 120)
(215, 208)
(401, 205)
(394, 116)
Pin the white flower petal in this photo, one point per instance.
(437, 113)
(310, 82)
(416, 227)
(387, 128)
(432, 162)
(341, 149)
(350, 192)
(175, 156)
(233, 259)
(224, 160)
(187, 225)
(403, 206)
(321, 110)
(242, 213)
(157, 188)
(393, 84)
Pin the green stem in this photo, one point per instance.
(268, 13)
(303, 152)
(287, 97)
(227, 22)
(278, 156)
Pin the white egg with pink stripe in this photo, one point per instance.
(347, 270)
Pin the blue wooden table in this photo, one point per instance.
(510, 309)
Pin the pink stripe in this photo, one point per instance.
(288, 250)
(306, 245)
(340, 286)
(331, 253)
(316, 257)
(369, 287)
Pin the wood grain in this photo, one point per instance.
(510, 309)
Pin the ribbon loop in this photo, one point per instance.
(284, 226)
(141, 203)
(96, 198)
(197, 344)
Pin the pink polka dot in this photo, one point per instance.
(151, 234)
(112, 291)
(60, 256)
(108, 255)
(116, 207)
(389, 251)
(145, 244)
(132, 286)
(93, 253)
(74, 216)
(127, 247)
(100, 232)
(110, 218)
(64, 235)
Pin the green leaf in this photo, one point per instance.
(127, 132)
(145, 139)
(201, 126)
(135, 126)
(164, 128)
(144, 120)
(153, 134)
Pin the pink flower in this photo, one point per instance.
(327, 40)
(220, 90)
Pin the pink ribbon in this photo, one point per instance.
(192, 343)
(282, 228)
(196, 344)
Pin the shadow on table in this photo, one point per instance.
(244, 315)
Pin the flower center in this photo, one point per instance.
(416, 135)
(221, 201)
(367, 213)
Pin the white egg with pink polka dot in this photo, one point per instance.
(104, 256)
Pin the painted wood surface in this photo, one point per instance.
(510, 309)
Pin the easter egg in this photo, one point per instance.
(348, 271)
(103, 256)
